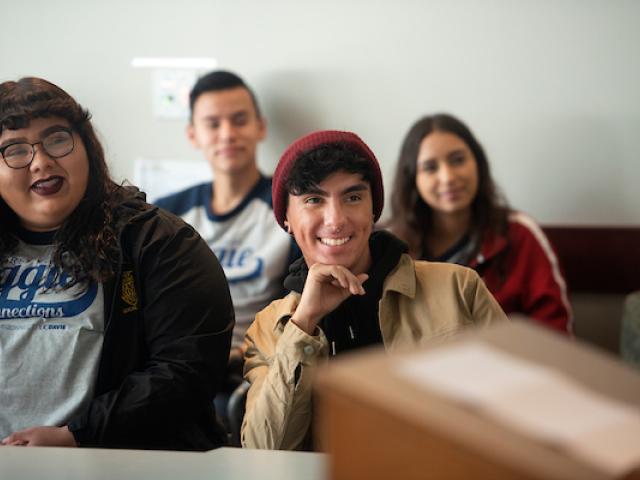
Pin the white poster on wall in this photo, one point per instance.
(160, 177)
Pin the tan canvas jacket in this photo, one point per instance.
(420, 301)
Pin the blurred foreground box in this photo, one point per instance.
(511, 402)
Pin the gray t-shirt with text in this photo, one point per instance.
(50, 341)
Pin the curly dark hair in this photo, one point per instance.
(85, 246)
(412, 216)
(314, 166)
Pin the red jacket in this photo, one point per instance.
(531, 282)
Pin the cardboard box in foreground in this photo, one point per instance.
(511, 402)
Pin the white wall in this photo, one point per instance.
(551, 88)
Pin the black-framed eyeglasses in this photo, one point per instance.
(56, 144)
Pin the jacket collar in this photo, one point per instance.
(492, 245)
(402, 279)
(133, 208)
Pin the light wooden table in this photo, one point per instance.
(42, 463)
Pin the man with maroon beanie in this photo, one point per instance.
(352, 288)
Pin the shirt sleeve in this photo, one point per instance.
(280, 362)
(483, 307)
(544, 293)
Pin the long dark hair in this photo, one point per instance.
(85, 246)
(411, 216)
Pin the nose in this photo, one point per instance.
(445, 173)
(227, 130)
(41, 159)
(335, 216)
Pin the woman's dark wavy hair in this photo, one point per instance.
(412, 216)
(85, 246)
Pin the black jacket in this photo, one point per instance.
(168, 324)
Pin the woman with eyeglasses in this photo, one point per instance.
(115, 317)
(446, 206)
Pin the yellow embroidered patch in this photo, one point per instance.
(129, 294)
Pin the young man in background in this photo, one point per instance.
(233, 213)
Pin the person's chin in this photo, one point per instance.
(47, 224)
(455, 205)
(346, 260)
(231, 165)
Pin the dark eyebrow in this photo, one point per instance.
(231, 115)
(11, 141)
(457, 151)
(315, 190)
(425, 160)
(358, 187)
(53, 129)
(43, 133)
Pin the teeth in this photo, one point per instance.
(334, 242)
(45, 183)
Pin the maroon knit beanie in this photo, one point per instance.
(310, 142)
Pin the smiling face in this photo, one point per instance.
(332, 223)
(447, 173)
(226, 127)
(46, 192)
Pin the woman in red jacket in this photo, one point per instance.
(446, 206)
